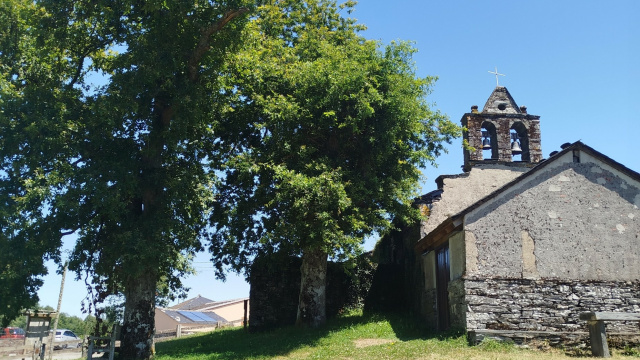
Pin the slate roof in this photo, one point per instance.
(218, 304)
(430, 197)
(455, 221)
(192, 304)
(202, 304)
(501, 101)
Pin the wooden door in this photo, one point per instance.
(442, 286)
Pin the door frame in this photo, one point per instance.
(443, 276)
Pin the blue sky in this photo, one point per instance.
(574, 63)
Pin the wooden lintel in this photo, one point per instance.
(438, 236)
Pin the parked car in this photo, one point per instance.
(66, 335)
(12, 333)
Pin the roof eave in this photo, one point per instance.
(439, 235)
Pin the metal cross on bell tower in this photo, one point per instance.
(496, 73)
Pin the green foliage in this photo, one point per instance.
(495, 345)
(631, 351)
(79, 326)
(361, 271)
(26, 153)
(317, 133)
(330, 132)
(127, 165)
(20, 322)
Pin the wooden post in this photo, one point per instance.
(26, 336)
(246, 303)
(112, 341)
(598, 336)
(55, 323)
(90, 350)
(179, 331)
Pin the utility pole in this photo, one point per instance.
(55, 322)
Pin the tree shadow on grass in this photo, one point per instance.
(241, 344)
(238, 344)
(407, 327)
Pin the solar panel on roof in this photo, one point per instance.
(196, 316)
(189, 315)
(205, 317)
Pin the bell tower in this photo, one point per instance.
(502, 133)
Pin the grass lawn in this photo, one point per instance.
(354, 337)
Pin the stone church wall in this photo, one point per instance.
(575, 221)
(457, 304)
(547, 305)
(563, 242)
(460, 191)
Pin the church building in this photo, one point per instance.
(518, 245)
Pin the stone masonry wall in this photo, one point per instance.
(457, 304)
(546, 305)
(577, 221)
(398, 282)
(503, 125)
(275, 286)
(460, 192)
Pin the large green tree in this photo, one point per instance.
(108, 131)
(332, 130)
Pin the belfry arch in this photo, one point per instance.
(501, 130)
(488, 132)
(522, 138)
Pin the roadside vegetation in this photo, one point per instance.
(79, 326)
(352, 336)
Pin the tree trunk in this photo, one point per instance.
(313, 283)
(139, 318)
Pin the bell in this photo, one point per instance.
(515, 148)
(486, 144)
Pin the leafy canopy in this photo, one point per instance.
(125, 165)
(333, 130)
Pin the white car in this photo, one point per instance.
(66, 335)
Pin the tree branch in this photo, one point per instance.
(66, 233)
(76, 76)
(204, 44)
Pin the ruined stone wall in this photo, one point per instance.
(275, 286)
(546, 305)
(398, 282)
(273, 295)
